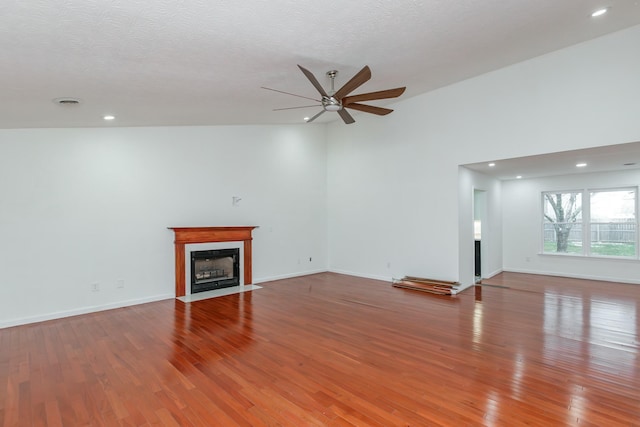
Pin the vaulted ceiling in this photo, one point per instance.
(203, 62)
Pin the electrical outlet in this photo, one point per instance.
(120, 283)
(388, 265)
(95, 287)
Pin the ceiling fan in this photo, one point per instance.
(339, 100)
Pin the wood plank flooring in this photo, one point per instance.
(335, 350)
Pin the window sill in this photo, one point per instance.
(600, 257)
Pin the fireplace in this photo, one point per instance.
(197, 235)
(214, 269)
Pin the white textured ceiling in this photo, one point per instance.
(202, 62)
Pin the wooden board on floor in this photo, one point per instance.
(434, 286)
(416, 286)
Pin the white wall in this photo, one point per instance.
(384, 196)
(393, 180)
(469, 181)
(80, 206)
(522, 233)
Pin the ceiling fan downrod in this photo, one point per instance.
(332, 75)
(330, 103)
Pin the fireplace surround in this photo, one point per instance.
(194, 235)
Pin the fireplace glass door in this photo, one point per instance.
(214, 269)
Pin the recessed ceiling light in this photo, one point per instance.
(109, 117)
(581, 165)
(629, 164)
(599, 12)
(491, 165)
(306, 119)
(519, 177)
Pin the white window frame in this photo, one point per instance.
(586, 222)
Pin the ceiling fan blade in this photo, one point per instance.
(369, 109)
(293, 108)
(288, 93)
(346, 117)
(315, 117)
(382, 94)
(313, 81)
(356, 81)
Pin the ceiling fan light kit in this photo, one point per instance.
(331, 104)
(339, 100)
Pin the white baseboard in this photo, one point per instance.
(462, 288)
(390, 279)
(287, 276)
(493, 273)
(573, 276)
(79, 311)
(363, 275)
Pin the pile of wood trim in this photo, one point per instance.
(433, 286)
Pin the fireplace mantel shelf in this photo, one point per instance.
(190, 235)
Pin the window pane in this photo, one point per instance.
(571, 243)
(613, 223)
(563, 207)
(613, 206)
(562, 222)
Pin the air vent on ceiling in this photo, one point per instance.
(66, 101)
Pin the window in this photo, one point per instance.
(562, 222)
(590, 223)
(613, 222)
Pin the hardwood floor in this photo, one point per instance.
(334, 350)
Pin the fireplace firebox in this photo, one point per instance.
(214, 269)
